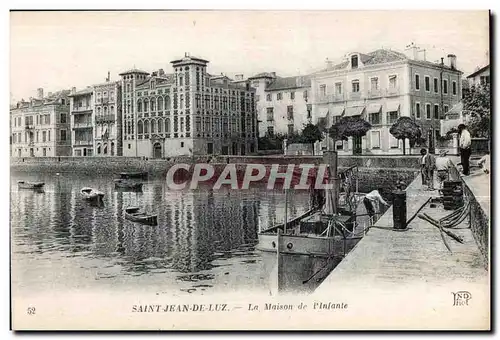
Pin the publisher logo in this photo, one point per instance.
(461, 298)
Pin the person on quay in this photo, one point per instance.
(371, 199)
(464, 147)
(485, 162)
(443, 166)
(428, 164)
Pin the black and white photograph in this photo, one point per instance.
(250, 170)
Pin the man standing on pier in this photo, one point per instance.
(464, 146)
(370, 200)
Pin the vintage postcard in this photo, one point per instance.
(250, 170)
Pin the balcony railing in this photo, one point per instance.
(331, 98)
(82, 109)
(29, 126)
(82, 125)
(105, 119)
(375, 93)
(394, 91)
(83, 142)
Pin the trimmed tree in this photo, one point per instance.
(349, 127)
(310, 134)
(404, 128)
(477, 108)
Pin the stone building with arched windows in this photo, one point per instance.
(188, 112)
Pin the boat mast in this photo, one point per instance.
(330, 158)
(286, 211)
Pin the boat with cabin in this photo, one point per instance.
(125, 184)
(91, 194)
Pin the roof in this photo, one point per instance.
(165, 79)
(188, 59)
(481, 70)
(133, 70)
(87, 90)
(283, 83)
(264, 75)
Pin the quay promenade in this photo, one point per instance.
(410, 277)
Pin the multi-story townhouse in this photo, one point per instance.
(96, 120)
(282, 103)
(41, 126)
(380, 87)
(82, 121)
(480, 77)
(188, 112)
(108, 119)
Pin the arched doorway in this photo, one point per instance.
(157, 150)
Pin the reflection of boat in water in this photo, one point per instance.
(137, 174)
(30, 185)
(135, 215)
(125, 184)
(91, 194)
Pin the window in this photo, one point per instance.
(417, 110)
(182, 144)
(48, 137)
(268, 97)
(160, 103)
(309, 111)
(428, 111)
(436, 111)
(354, 61)
(375, 139)
(375, 118)
(338, 88)
(355, 86)
(445, 86)
(289, 112)
(279, 96)
(44, 136)
(129, 145)
(270, 114)
(445, 108)
(417, 82)
(374, 84)
(292, 95)
(152, 104)
(392, 117)
(436, 88)
(393, 142)
(393, 82)
(305, 95)
(454, 88)
(270, 130)
(290, 129)
(63, 135)
(427, 84)
(322, 90)
(339, 145)
(484, 80)
(181, 81)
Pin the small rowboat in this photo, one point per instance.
(30, 185)
(140, 174)
(135, 215)
(126, 184)
(91, 194)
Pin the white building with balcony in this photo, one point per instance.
(380, 87)
(82, 122)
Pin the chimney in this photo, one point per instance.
(299, 81)
(239, 77)
(108, 78)
(329, 63)
(452, 61)
(442, 61)
(39, 92)
(73, 90)
(412, 51)
(161, 72)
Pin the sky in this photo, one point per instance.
(59, 50)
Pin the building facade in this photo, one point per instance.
(96, 120)
(380, 87)
(480, 77)
(40, 127)
(283, 105)
(188, 112)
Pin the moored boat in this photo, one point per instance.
(135, 214)
(127, 184)
(91, 194)
(137, 174)
(30, 185)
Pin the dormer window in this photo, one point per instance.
(152, 85)
(354, 61)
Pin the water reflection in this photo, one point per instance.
(203, 239)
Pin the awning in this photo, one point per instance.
(391, 107)
(337, 111)
(456, 109)
(354, 111)
(323, 112)
(373, 108)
